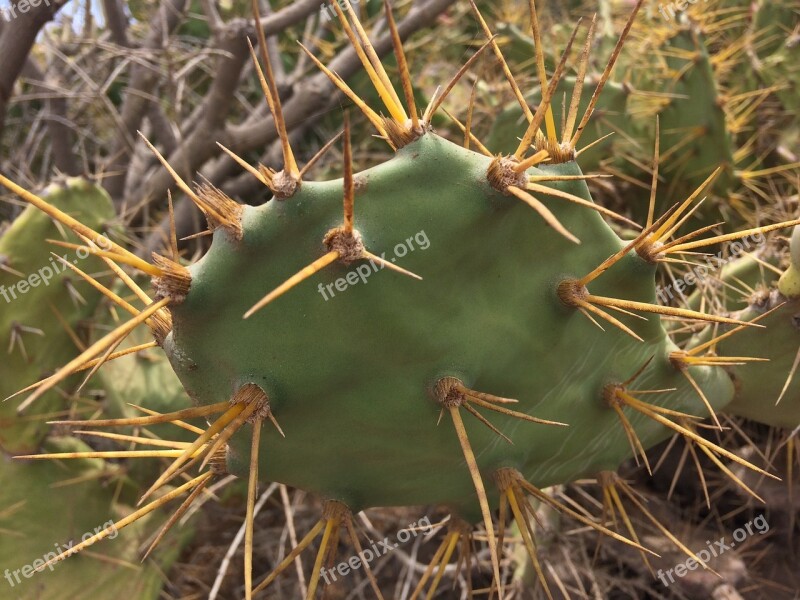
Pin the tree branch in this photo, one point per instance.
(136, 103)
(55, 115)
(117, 23)
(16, 43)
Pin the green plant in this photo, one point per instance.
(44, 303)
(718, 80)
(27, 518)
(45, 319)
(767, 390)
(497, 313)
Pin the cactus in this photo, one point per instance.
(731, 59)
(609, 117)
(709, 75)
(694, 139)
(768, 391)
(142, 378)
(45, 322)
(738, 279)
(34, 532)
(772, 53)
(445, 284)
(43, 303)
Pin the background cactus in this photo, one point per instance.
(767, 392)
(45, 305)
(84, 507)
(45, 322)
(703, 72)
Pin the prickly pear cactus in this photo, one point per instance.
(768, 391)
(27, 518)
(48, 308)
(773, 62)
(44, 303)
(713, 73)
(694, 138)
(450, 327)
(303, 348)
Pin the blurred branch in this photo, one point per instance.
(190, 154)
(314, 91)
(137, 101)
(16, 42)
(288, 16)
(55, 115)
(116, 20)
(215, 22)
(199, 145)
(274, 48)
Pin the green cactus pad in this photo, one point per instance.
(23, 248)
(35, 526)
(759, 385)
(349, 377)
(694, 139)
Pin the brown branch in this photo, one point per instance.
(315, 91)
(274, 49)
(16, 42)
(198, 147)
(214, 109)
(136, 103)
(288, 16)
(162, 128)
(116, 21)
(55, 115)
(215, 22)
